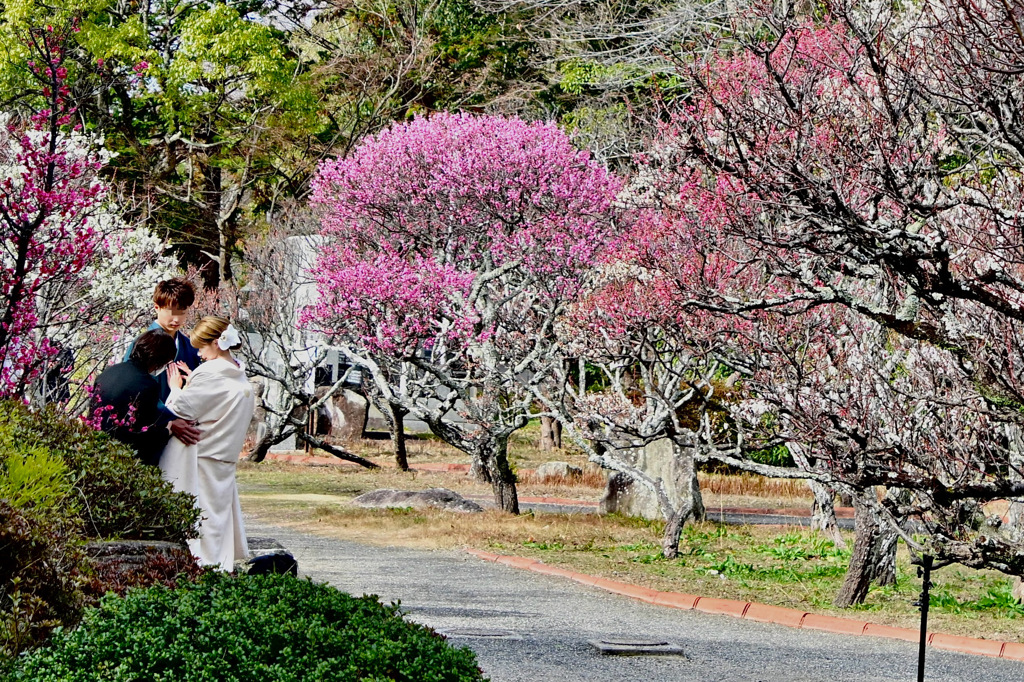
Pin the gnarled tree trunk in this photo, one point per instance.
(550, 434)
(491, 456)
(823, 513)
(867, 553)
(397, 430)
(690, 505)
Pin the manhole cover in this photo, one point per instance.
(634, 642)
(479, 633)
(635, 646)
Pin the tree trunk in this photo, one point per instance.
(823, 513)
(673, 531)
(823, 510)
(397, 428)
(691, 503)
(394, 417)
(862, 568)
(550, 434)
(1015, 512)
(883, 562)
(883, 571)
(492, 456)
(479, 472)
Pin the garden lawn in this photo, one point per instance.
(783, 566)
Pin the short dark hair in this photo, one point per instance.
(174, 293)
(153, 350)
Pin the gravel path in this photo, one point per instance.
(549, 621)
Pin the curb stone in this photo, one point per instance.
(764, 613)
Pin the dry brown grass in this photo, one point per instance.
(752, 485)
(317, 501)
(593, 477)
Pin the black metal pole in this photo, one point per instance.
(925, 571)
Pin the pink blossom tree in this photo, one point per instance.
(868, 184)
(454, 244)
(48, 192)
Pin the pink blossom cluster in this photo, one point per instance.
(455, 225)
(48, 190)
(393, 303)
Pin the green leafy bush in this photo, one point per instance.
(119, 496)
(60, 481)
(41, 573)
(220, 628)
(31, 477)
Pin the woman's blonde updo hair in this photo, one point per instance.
(208, 330)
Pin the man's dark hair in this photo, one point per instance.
(153, 350)
(174, 293)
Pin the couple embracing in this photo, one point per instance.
(184, 403)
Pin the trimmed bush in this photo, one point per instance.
(119, 497)
(32, 477)
(271, 627)
(41, 573)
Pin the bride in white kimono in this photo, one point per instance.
(219, 398)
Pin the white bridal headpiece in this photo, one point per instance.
(228, 338)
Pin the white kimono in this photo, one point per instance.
(220, 398)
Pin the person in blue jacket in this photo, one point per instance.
(172, 299)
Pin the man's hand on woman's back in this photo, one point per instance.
(185, 431)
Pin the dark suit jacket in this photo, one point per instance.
(186, 354)
(129, 398)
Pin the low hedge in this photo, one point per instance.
(220, 629)
(118, 496)
(60, 482)
(42, 569)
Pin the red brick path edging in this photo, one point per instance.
(763, 613)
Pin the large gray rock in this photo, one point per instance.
(436, 498)
(130, 551)
(267, 555)
(658, 460)
(258, 425)
(561, 470)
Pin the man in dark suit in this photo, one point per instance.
(126, 396)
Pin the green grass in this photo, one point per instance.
(790, 567)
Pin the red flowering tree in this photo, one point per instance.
(48, 191)
(454, 244)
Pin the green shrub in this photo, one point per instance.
(41, 573)
(272, 627)
(118, 495)
(31, 477)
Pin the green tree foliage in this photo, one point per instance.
(219, 110)
(189, 95)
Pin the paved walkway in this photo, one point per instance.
(549, 621)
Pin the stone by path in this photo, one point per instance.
(548, 621)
